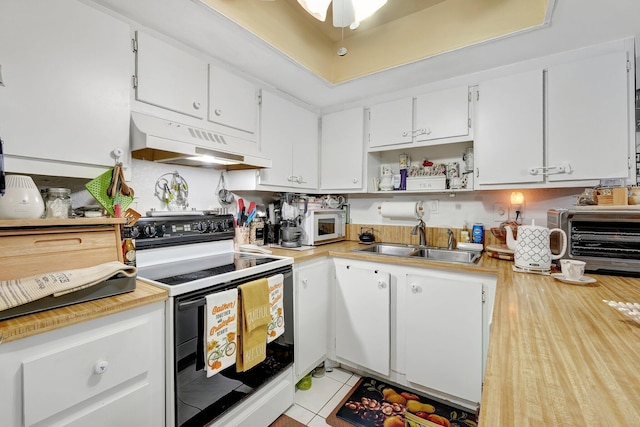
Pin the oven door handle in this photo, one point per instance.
(189, 304)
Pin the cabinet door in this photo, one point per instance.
(444, 334)
(391, 123)
(276, 140)
(442, 114)
(588, 104)
(169, 77)
(233, 101)
(509, 129)
(342, 150)
(304, 137)
(311, 315)
(67, 74)
(362, 317)
(289, 137)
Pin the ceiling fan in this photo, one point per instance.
(345, 12)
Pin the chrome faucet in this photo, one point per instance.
(450, 242)
(420, 228)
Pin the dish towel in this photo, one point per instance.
(20, 291)
(253, 318)
(276, 294)
(220, 338)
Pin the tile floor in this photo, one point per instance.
(312, 406)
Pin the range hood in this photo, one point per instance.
(165, 141)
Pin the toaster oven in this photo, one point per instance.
(607, 239)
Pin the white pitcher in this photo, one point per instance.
(533, 247)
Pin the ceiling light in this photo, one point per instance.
(317, 8)
(345, 12)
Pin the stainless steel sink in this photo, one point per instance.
(430, 253)
(448, 255)
(389, 249)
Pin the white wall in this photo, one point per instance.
(470, 207)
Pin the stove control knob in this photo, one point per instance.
(134, 232)
(214, 226)
(149, 231)
(202, 226)
(160, 229)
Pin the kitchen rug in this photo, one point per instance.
(372, 401)
(285, 421)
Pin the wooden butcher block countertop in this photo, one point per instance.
(44, 321)
(558, 355)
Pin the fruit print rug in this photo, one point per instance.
(373, 403)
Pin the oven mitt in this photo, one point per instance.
(20, 291)
(254, 316)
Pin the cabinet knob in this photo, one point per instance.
(101, 367)
(415, 288)
(304, 282)
(382, 284)
(217, 112)
(355, 180)
(196, 105)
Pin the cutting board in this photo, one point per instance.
(499, 252)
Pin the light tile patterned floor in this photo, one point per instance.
(313, 406)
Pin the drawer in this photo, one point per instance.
(28, 255)
(64, 377)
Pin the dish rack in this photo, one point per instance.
(631, 309)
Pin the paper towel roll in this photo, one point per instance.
(401, 210)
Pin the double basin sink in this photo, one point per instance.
(423, 252)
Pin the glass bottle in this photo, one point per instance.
(58, 203)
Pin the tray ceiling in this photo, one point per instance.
(400, 33)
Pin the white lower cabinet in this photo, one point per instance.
(312, 286)
(444, 334)
(363, 300)
(423, 328)
(104, 372)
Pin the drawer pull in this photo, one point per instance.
(101, 367)
(59, 242)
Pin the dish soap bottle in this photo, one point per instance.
(464, 234)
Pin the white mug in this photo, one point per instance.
(572, 269)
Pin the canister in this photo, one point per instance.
(58, 203)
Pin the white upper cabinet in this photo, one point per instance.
(289, 137)
(509, 129)
(233, 101)
(341, 159)
(169, 77)
(588, 107)
(567, 123)
(390, 123)
(436, 117)
(442, 114)
(67, 75)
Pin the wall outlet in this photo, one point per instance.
(500, 212)
(433, 206)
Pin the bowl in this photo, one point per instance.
(634, 200)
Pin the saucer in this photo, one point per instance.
(581, 281)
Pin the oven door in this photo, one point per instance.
(198, 399)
